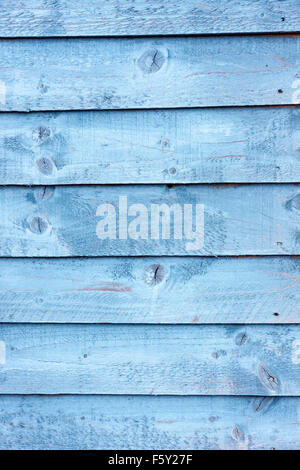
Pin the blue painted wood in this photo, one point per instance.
(62, 74)
(62, 221)
(99, 422)
(170, 146)
(131, 17)
(150, 359)
(203, 145)
(123, 290)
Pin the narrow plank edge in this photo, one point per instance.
(146, 18)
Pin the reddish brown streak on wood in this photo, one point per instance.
(109, 287)
(233, 72)
(229, 156)
(104, 289)
(165, 422)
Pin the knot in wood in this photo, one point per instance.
(151, 61)
(38, 225)
(154, 274)
(45, 166)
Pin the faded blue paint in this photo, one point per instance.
(218, 145)
(61, 221)
(131, 17)
(136, 422)
(151, 359)
(81, 74)
(126, 290)
(116, 147)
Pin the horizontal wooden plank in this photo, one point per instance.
(122, 290)
(143, 17)
(150, 359)
(62, 221)
(202, 145)
(85, 73)
(107, 422)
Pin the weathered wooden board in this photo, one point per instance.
(61, 221)
(240, 315)
(85, 73)
(122, 290)
(150, 359)
(143, 17)
(99, 422)
(203, 145)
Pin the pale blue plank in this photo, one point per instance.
(63, 74)
(203, 145)
(150, 359)
(122, 290)
(62, 221)
(95, 422)
(130, 17)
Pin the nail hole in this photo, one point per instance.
(280, 90)
(276, 314)
(282, 19)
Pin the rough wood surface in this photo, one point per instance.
(143, 17)
(122, 290)
(115, 147)
(232, 366)
(65, 74)
(150, 359)
(62, 221)
(95, 422)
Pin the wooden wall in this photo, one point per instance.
(143, 344)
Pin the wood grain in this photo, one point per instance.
(66, 74)
(129, 17)
(123, 290)
(150, 359)
(201, 352)
(203, 145)
(99, 422)
(61, 221)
